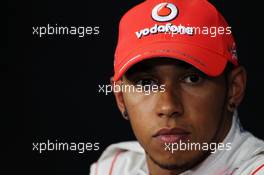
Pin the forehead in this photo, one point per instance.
(153, 64)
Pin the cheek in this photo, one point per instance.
(141, 109)
(204, 110)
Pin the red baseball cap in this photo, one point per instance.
(192, 31)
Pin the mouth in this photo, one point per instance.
(171, 135)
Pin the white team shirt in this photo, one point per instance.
(246, 157)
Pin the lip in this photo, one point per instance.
(170, 135)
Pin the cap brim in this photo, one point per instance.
(207, 61)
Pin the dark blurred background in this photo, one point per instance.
(53, 80)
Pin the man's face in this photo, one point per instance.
(191, 109)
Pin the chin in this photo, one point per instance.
(180, 160)
(169, 164)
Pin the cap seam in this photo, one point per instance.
(188, 43)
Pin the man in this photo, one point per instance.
(188, 123)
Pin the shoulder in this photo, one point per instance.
(250, 156)
(122, 158)
(253, 166)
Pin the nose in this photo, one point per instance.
(169, 103)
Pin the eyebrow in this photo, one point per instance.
(141, 68)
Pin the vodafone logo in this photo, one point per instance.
(164, 12)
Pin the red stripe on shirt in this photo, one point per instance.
(113, 162)
(96, 168)
(257, 170)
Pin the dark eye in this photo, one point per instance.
(192, 78)
(146, 82)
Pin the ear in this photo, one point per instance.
(237, 79)
(118, 94)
